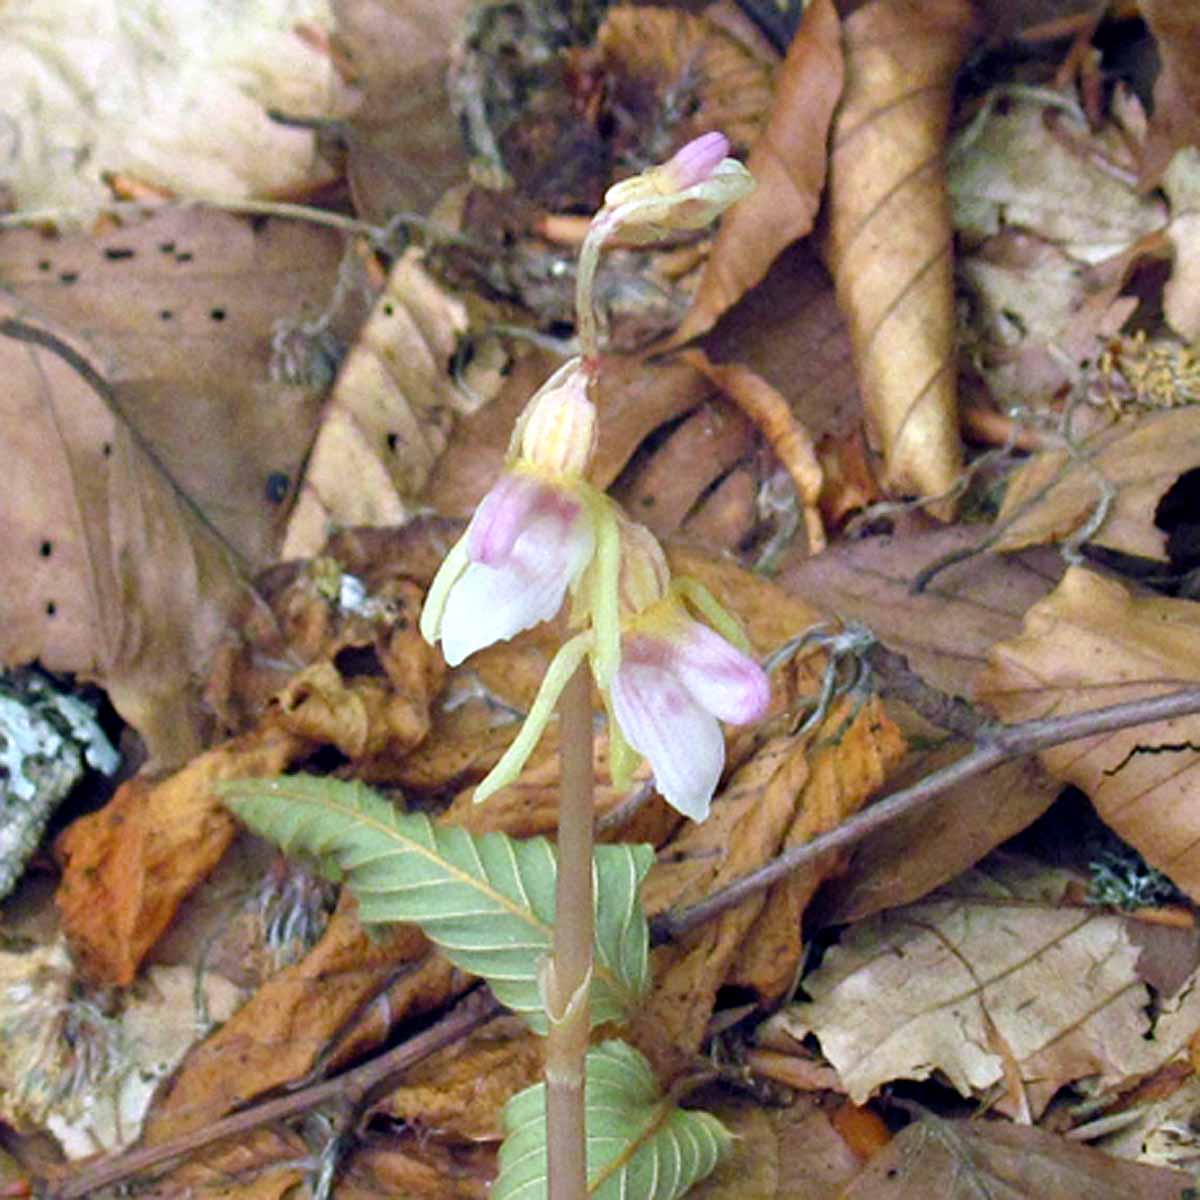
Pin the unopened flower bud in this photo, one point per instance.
(556, 433)
(689, 191)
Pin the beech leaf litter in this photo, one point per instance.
(922, 412)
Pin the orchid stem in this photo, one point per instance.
(568, 979)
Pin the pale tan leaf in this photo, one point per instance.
(1036, 167)
(1090, 643)
(389, 415)
(962, 1160)
(178, 95)
(1056, 491)
(928, 987)
(888, 242)
(788, 162)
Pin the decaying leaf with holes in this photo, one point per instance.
(889, 237)
(1090, 643)
(387, 420)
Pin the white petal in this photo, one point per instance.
(491, 604)
(728, 683)
(682, 741)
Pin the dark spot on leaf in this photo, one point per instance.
(167, 247)
(45, 265)
(117, 253)
(184, 256)
(278, 483)
(69, 277)
(165, 314)
(647, 501)
(217, 314)
(388, 309)
(46, 549)
(402, 623)
(51, 608)
(393, 440)
(258, 222)
(106, 449)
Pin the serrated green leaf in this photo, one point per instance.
(640, 1144)
(486, 899)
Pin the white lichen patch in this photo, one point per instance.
(48, 739)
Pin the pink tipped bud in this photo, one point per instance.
(696, 161)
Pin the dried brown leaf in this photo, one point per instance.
(945, 633)
(889, 239)
(935, 986)
(388, 417)
(405, 147)
(787, 161)
(278, 1035)
(1090, 643)
(777, 797)
(960, 1160)
(1176, 119)
(129, 866)
(459, 1092)
(1054, 493)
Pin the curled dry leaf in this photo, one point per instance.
(1090, 643)
(128, 867)
(788, 162)
(784, 794)
(786, 437)
(1057, 491)
(983, 971)
(388, 417)
(888, 242)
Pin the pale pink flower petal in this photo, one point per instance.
(493, 602)
(696, 161)
(730, 684)
(503, 513)
(661, 721)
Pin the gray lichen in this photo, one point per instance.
(48, 739)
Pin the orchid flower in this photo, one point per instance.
(533, 534)
(675, 681)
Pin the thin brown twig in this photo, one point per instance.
(997, 744)
(350, 1091)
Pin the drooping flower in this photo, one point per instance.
(532, 536)
(675, 680)
(689, 191)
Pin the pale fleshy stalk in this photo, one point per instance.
(566, 979)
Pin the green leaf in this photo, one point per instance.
(640, 1144)
(487, 900)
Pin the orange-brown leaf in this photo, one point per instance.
(787, 161)
(129, 866)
